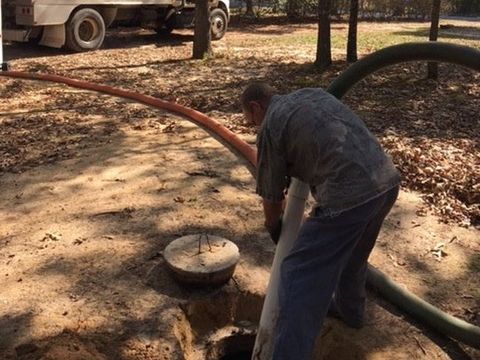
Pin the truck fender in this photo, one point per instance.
(44, 15)
(225, 6)
(53, 36)
(109, 14)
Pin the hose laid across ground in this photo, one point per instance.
(426, 313)
(197, 117)
(415, 51)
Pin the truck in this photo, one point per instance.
(80, 25)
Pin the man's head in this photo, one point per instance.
(255, 101)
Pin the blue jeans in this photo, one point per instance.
(329, 258)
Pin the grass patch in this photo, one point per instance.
(369, 40)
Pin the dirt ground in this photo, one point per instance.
(94, 188)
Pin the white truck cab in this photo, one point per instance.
(80, 25)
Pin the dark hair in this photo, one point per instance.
(258, 91)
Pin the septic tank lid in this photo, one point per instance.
(202, 259)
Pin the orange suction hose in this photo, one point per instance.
(201, 119)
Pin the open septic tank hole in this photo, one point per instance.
(220, 325)
(234, 347)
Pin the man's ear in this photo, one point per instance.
(255, 107)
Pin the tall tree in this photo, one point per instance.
(249, 12)
(293, 9)
(352, 32)
(433, 66)
(324, 46)
(202, 39)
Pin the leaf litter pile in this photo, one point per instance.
(430, 129)
(432, 135)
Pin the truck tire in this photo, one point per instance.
(219, 21)
(85, 30)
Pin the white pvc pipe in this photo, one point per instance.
(292, 219)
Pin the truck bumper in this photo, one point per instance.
(20, 35)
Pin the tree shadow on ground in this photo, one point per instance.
(239, 21)
(115, 39)
(140, 224)
(270, 28)
(262, 28)
(454, 32)
(109, 276)
(442, 289)
(126, 38)
(451, 347)
(199, 310)
(449, 284)
(69, 123)
(16, 51)
(397, 100)
(400, 98)
(13, 326)
(390, 94)
(393, 93)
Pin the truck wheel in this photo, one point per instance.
(85, 30)
(218, 19)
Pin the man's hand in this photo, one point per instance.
(273, 218)
(275, 231)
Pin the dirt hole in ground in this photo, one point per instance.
(234, 347)
(220, 325)
(224, 309)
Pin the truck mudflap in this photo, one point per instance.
(53, 36)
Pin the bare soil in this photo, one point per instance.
(94, 188)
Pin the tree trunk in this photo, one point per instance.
(293, 9)
(202, 46)
(324, 46)
(249, 12)
(433, 66)
(352, 32)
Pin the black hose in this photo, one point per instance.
(432, 51)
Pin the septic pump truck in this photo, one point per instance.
(80, 25)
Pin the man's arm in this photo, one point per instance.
(273, 212)
(271, 179)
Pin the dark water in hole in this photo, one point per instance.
(239, 355)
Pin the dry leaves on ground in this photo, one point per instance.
(431, 130)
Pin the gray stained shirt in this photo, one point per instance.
(312, 136)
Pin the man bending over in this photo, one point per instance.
(310, 135)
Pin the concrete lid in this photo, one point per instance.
(202, 258)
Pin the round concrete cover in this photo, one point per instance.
(202, 259)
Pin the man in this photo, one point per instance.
(310, 135)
